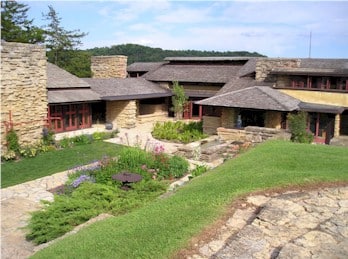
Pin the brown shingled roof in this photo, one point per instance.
(144, 66)
(257, 97)
(126, 89)
(316, 66)
(64, 87)
(240, 83)
(71, 96)
(59, 78)
(194, 73)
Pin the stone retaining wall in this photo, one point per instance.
(252, 134)
(23, 91)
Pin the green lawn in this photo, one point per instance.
(165, 226)
(44, 164)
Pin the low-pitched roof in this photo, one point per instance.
(256, 97)
(194, 73)
(59, 78)
(322, 108)
(144, 66)
(248, 68)
(71, 96)
(64, 87)
(317, 66)
(201, 59)
(240, 83)
(126, 89)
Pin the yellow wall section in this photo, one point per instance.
(339, 99)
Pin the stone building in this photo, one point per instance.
(234, 96)
(23, 91)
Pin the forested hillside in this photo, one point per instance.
(78, 62)
(139, 53)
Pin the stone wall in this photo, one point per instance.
(265, 65)
(229, 117)
(252, 134)
(210, 124)
(273, 119)
(23, 91)
(122, 114)
(152, 113)
(109, 66)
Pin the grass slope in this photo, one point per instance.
(27, 169)
(163, 227)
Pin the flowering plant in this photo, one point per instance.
(82, 178)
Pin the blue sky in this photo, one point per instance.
(274, 28)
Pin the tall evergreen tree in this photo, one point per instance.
(15, 25)
(58, 39)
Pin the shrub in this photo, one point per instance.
(82, 139)
(200, 169)
(48, 137)
(298, 128)
(85, 202)
(9, 155)
(66, 143)
(29, 151)
(179, 131)
(178, 166)
(179, 100)
(12, 140)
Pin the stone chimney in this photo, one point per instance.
(109, 66)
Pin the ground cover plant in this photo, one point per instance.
(161, 228)
(91, 191)
(179, 131)
(27, 169)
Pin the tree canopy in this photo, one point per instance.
(57, 38)
(15, 25)
(139, 53)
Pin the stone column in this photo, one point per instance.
(109, 66)
(337, 125)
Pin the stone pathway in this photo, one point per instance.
(16, 204)
(291, 225)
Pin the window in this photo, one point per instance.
(70, 117)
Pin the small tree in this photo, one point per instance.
(179, 100)
(298, 128)
(57, 38)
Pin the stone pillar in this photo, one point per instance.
(109, 66)
(229, 118)
(273, 119)
(337, 125)
(23, 91)
(122, 114)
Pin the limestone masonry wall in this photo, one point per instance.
(109, 66)
(122, 114)
(23, 91)
(265, 65)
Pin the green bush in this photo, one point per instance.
(298, 128)
(12, 140)
(200, 169)
(179, 131)
(85, 202)
(48, 137)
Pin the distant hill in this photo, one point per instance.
(139, 53)
(78, 62)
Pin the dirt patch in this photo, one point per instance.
(212, 231)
